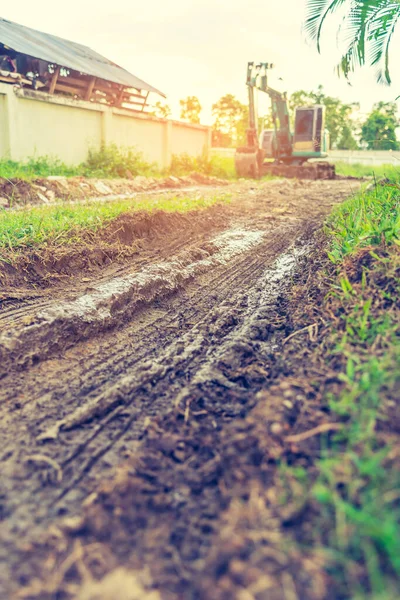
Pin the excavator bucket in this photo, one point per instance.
(247, 162)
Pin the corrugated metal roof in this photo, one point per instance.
(68, 54)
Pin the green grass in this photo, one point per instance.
(368, 218)
(360, 170)
(35, 167)
(67, 223)
(355, 480)
(112, 162)
(216, 166)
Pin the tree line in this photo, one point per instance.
(376, 131)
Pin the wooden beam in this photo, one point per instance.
(77, 81)
(89, 90)
(69, 89)
(128, 100)
(54, 81)
(145, 100)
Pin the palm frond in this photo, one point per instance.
(368, 28)
(381, 29)
(355, 29)
(317, 12)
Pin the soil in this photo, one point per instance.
(16, 193)
(145, 398)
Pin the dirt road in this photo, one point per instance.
(88, 364)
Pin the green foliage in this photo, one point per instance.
(161, 110)
(216, 166)
(108, 161)
(36, 167)
(67, 223)
(367, 31)
(367, 218)
(112, 161)
(338, 116)
(230, 122)
(379, 130)
(190, 109)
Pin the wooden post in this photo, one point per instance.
(54, 80)
(145, 100)
(120, 96)
(89, 90)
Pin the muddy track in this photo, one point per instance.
(73, 412)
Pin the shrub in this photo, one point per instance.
(112, 161)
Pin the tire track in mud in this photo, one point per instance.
(102, 392)
(88, 453)
(66, 323)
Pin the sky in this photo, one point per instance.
(201, 47)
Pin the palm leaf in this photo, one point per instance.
(368, 28)
(381, 29)
(317, 12)
(355, 27)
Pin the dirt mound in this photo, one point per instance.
(118, 241)
(19, 192)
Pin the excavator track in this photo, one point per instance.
(248, 164)
(315, 170)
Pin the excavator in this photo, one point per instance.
(278, 151)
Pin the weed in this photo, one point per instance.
(216, 166)
(36, 167)
(369, 218)
(112, 161)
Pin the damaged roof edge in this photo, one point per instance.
(65, 53)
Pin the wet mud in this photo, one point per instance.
(142, 372)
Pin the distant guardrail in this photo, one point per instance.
(364, 157)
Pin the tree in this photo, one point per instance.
(338, 122)
(230, 121)
(368, 28)
(190, 109)
(161, 110)
(379, 130)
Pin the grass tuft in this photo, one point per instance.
(66, 223)
(111, 161)
(370, 218)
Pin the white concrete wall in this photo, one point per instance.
(37, 124)
(182, 138)
(3, 126)
(365, 157)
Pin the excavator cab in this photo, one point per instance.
(310, 137)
